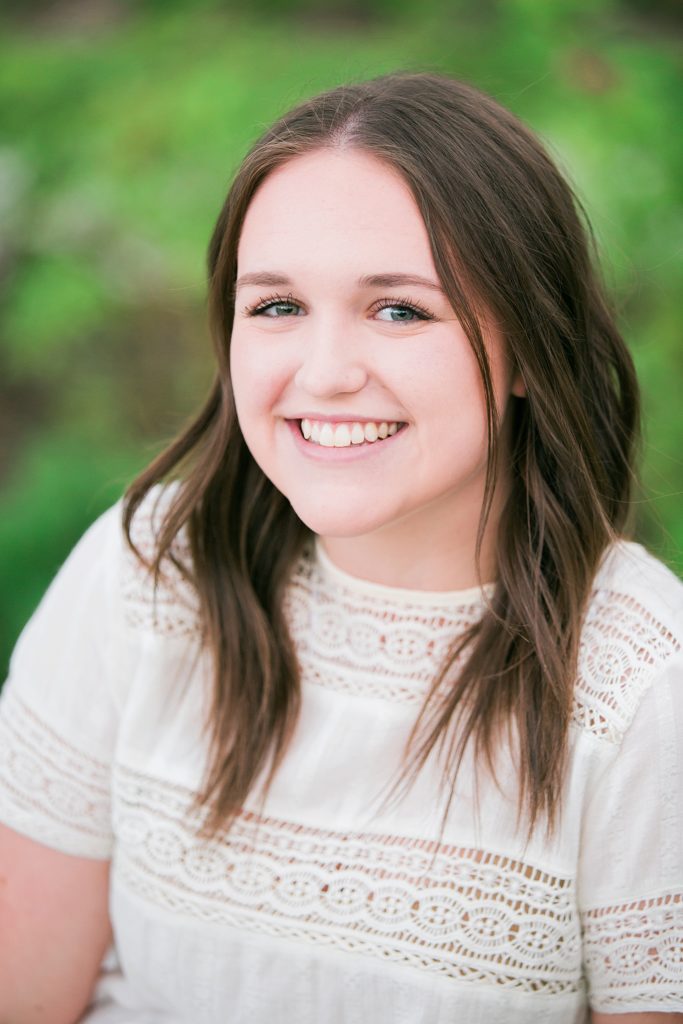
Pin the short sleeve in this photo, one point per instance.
(631, 866)
(58, 715)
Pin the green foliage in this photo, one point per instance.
(119, 138)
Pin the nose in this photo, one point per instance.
(331, 364)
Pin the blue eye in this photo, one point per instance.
(400, 314)
(397, 311)
(278, 308)
(400, 311)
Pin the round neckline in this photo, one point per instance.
(400, 595)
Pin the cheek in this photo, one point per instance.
(258, 378)
(458, 378)
(447, 383)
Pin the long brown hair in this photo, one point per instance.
(507, 236)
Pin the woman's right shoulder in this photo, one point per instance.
(149, 516)
(165, 603)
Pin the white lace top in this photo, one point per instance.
(325, 906)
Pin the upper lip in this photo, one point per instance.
(344, 418)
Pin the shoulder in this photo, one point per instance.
(167, 604)
(149, 516)
(632, 633)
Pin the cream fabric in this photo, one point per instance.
(327, 904)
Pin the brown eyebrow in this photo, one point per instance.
(262, 277)
(395, 280)
(275, 280)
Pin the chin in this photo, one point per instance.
(337, 522)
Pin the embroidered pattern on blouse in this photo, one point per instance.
(339, 635)
(44, 779)
(463, 913)
(634, 953)
(622, 648)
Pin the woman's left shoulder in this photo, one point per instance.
(631, 636)
(634, 586)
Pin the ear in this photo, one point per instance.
(518, 387)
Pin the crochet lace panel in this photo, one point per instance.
(463, 913)
(48, 786)
(634, 954)
(622, 649)
(365, 648)
(363, 645)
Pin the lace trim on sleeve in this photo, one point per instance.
(622, 649)
(634, 955)
(49, 790)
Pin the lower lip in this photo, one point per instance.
(321, 453)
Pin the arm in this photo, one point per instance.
(59, 715)
(54, 930)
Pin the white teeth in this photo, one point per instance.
(342, 435)
(327, 435)
(357, 434)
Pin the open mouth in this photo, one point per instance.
(347, 434)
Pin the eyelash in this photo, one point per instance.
(402, 303)
(271, 300)
(406, 303)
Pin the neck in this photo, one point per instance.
(406, 554)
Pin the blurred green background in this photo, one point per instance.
(120, 127)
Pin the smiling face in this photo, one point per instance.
(357, 391)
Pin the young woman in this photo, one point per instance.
(374, 715)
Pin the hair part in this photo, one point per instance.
(509, 239)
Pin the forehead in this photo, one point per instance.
(335, 207)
